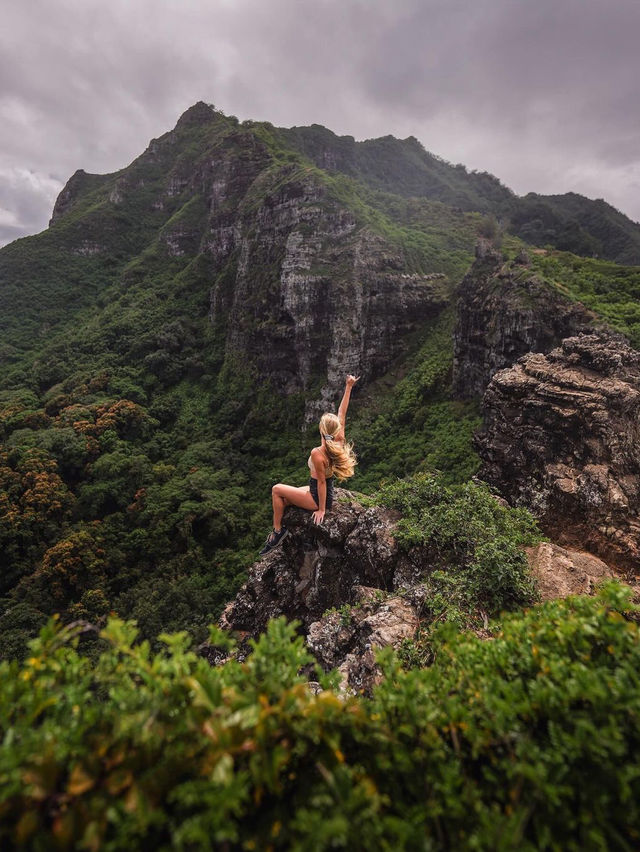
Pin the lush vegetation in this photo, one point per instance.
(526, 741)
(612, 291)
(399, 166)
(136, 456)
(415, 425)
(472, 543)
(568, 222)
(573, 223)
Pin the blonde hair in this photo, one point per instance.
(342, 459)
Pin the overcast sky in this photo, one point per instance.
(542, 93)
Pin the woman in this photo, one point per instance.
(333, 458)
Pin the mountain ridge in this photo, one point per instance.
(569, 221)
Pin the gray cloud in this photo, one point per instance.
(544, 94)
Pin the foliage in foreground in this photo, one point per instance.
(528, 741)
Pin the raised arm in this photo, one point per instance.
(344, 405)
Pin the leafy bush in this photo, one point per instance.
(528, 741)
(474, 542)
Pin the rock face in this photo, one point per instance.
(345, 581)
(503, 312)
(560, 572)
(318, 566)
(78, 184)
(312, 295)
(562, 437)
(346, 640)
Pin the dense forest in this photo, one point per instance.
(159, 373)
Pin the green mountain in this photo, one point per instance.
(166, 347)
(571, 222)
(400, 166)
(165, 340)
(568, 222)
(168, 343)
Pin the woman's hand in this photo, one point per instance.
(351, 380)
(318, 516)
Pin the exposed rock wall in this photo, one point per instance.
(78, 185)
(503, 312)
(314, 296)
(562, 437)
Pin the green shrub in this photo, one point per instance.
(528, 741)
(473, 542)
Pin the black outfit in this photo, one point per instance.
(313, 488)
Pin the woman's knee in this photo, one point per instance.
(277, 489)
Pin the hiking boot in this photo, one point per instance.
(273, 540)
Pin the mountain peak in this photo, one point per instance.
(199, 113)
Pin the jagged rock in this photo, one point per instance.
(562, 436)
(503, 312)
(560, 572)
(317, 567)
(345, 638)
(337, 580)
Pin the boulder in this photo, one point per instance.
(339, 581)
(317, 566)
(560, 572)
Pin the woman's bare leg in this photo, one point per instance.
(288, 495)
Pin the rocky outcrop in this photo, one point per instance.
(79, 184)
(318, 566)
(344, 581)
(347, 639)
(504, 311)
(560, 572)
(562, 437)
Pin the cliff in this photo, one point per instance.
(300, 288)
(562, 437)
(314, 295)
(504, 311)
